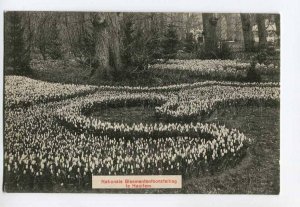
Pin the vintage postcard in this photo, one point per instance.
(128, 102)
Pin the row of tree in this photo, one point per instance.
(110, 42)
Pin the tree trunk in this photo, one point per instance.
(229, 27)
(101, 44)
(114, 42)
(277, 23)
(42, 42)
(188, 23)
(210, 34)
(262, 32)
(247, 32)
(107, 44)
(29, 37)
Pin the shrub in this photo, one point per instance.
(17, 53)
(224, 51)
(170, 43)
(54, 50)
(189, 45)
(261, 57)
(185, 56)
(252, 74)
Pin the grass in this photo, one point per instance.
(259, 171)
(136, 114)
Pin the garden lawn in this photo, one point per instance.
(258, 173)
(130, 115)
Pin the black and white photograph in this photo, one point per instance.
(193, 95)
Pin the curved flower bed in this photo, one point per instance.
(209, 69)
(45, 152)
(122, 100)
(76, 112)
(23, 92)
(59, 143)
(213, 65)
(179, 87)
(203, 66)
(214, 69)
(189, 104)
(210, 135)
(186, 105)
(41, 149)
(267, 69)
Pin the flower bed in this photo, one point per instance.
(204, 66)
(186, 105)
(74, 116)
(59, 143)
(42, 149)
(267, 69)
(189, 104)
(218, 69)
(178, 87)
(22, 92)
(214, 69)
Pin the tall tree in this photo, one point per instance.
(85, 42)
(114, 42)
(189, 43)
(28, 36)
(277, 23)
(210, 34)
(100, 25)
(262, 32)
(170, 42)
(128, 40)
(141, 40)
(247, 32)
(229, 26)
(55, 44)
(107, 44)
(42, 34)
(16, 54)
